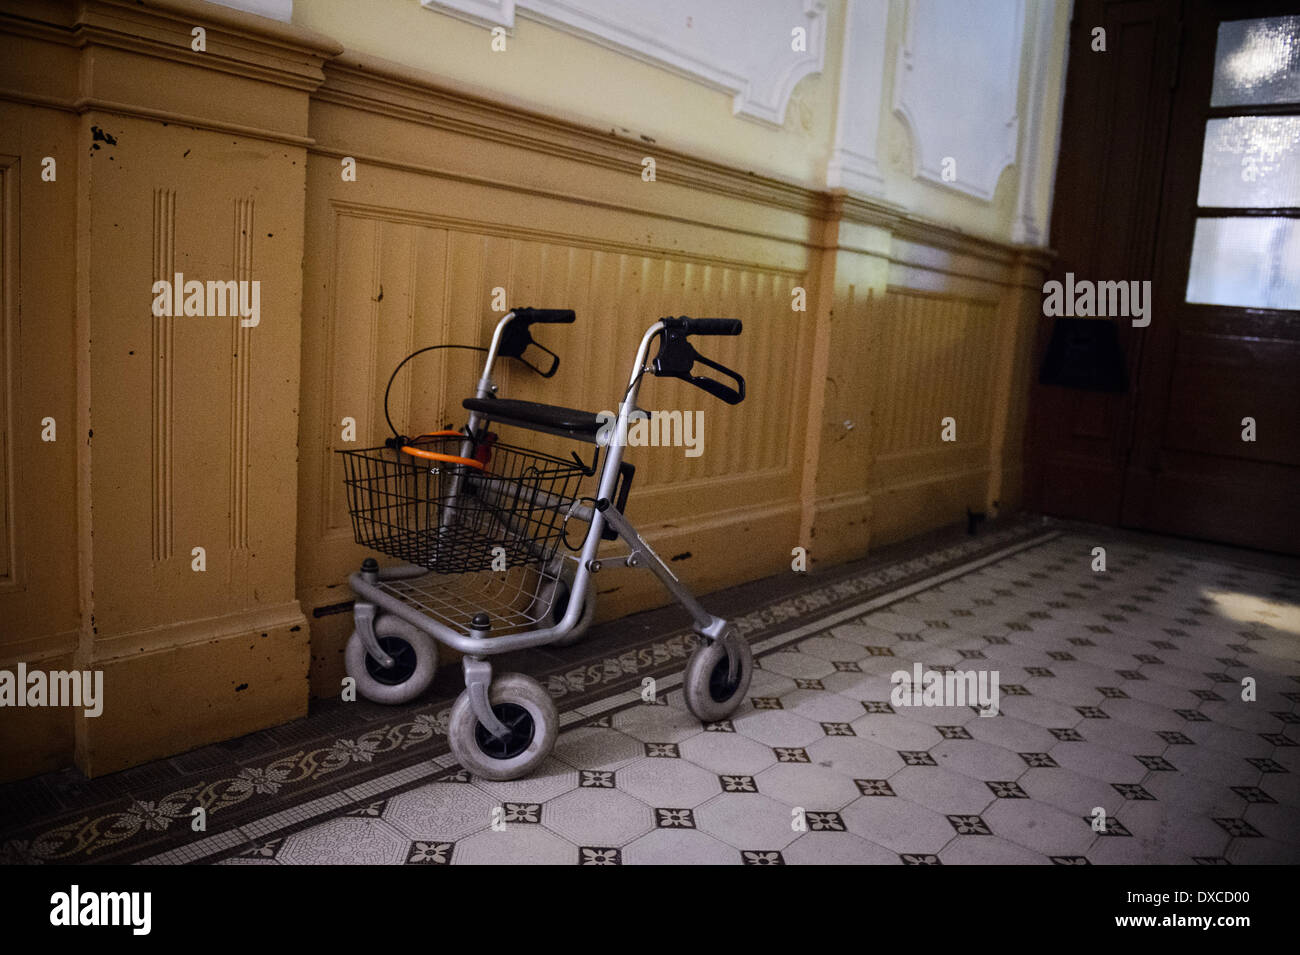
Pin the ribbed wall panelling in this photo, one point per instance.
(241, 346)
(164, 268)
(940, 352)
(399, 285)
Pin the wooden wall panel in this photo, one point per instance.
(940, 354)
(39, 612)
(402, 280)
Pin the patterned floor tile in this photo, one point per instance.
(653, 724)
(1096, 761)
(807, 784)
(728, 753)
(778, 728)
(516, 845)
(346, 841)
(977, 760)
(1122, 737)
(1276, 822)
(832, 649)
(440, 811)
(1010, 733)
(1073, 793)
(668, 782)
(1119, 691)
(894, 731)
(798, 665)
(679, 847)
(898, 824)
(587, 747)
(547, 781)
(988, 850)
(1038, 827)
(598, 817)
(822, 707)
(941, 790)
(854, 757)
(836, 848)
(745, 821)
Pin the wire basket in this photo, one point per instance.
(454, 518)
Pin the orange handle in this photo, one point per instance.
(438, 455)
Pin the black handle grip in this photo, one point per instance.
(705, 326)
(545, 316)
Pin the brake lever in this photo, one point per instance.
(677, 358)
(517, 339)
(732, 396)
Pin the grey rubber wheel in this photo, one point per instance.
(526, 708)
(710, 695)
(415, 661)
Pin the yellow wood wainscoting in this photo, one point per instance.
(188, 431)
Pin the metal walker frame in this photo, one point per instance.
(462, 619)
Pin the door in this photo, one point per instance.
(1105, 213)
(1216, 443)
(1180, 164)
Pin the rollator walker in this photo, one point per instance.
(482, 528)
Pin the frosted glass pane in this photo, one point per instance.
(1257, 61)
(1248, 263)
(1251, 161)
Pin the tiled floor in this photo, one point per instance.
(1122, 737)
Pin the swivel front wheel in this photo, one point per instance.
(525, 709)
(713, 689)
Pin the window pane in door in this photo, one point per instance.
(1257, 62)
(1245, 262)
(1252, 162)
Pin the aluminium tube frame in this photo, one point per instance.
(474, 645)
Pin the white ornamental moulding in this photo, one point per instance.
(961, 108)
(743, 47)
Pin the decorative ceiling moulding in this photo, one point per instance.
(853, 164)
(482, 13)
(961, 107)
(281, 10)
(1030, 225)
(913, 228)
(238, 43)
(363, 82)
(743, 47)
(370, 84)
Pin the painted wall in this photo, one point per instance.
(555, 72)
(977, 53)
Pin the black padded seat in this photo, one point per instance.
(550, 419)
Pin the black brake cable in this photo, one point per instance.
(393, 376)
(633, 383)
